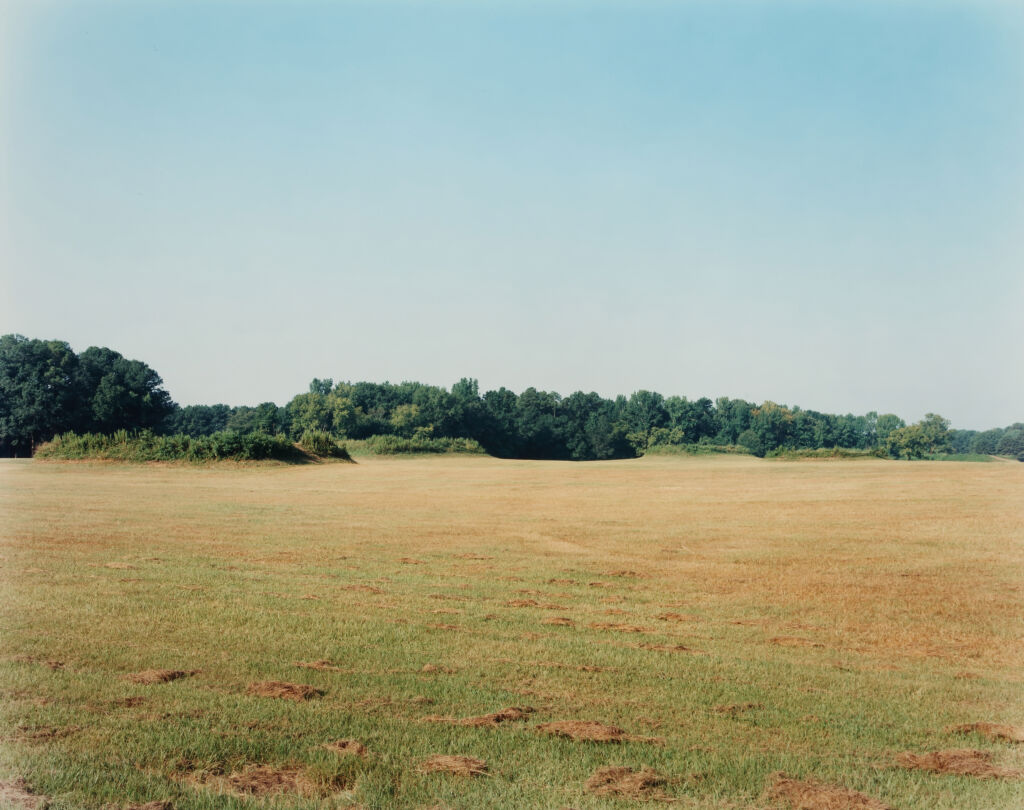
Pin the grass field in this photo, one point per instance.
(726, 618)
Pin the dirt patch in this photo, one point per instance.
(521, 603)
(676, 617)
(510, 715)
(592, 731)
(32, 659)
(411, 561)
(959, 761)
(471, 556)
(15, 793)
(437, 668)
(674, 648)
(283, 689)
(347, 748)
(808, 794)
(793, 641)
(120, 566)
(562, 621)
(642, 785)
(363, 588)
(734, 709)
(453, 763)
(622, 572)
(447, 612)
(128, 702)
(619, 628)
(450, 596)
(41, 733)
(322, 665)
(157, 805)
(601, 584)
(995, 731)
(562, 582)
(148, 676)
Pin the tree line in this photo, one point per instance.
(46, 389)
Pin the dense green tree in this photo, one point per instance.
(40, 392)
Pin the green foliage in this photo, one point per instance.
(386, 445)
(321, 443)
(148, 446)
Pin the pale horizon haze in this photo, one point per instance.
(820, 204)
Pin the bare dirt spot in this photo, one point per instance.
(447, 612)
(622, 572)
(444, 596)
(453, 763)
(472, 556)
(793, 641)
(995, 731)
(322, 665)
(959, 761)
(121, 566)
(619, 628)
(411, 561)
(561, 621)
(15, 793)
(592, 731)
(149, 676)
(521, 603)
(347, 748)
(562, 582)
(808, 794)
(601, 584)
(735, 709)
(156, 805)
(283, 689)
(510, 715)
(642, 785)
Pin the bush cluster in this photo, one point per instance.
(148, 446)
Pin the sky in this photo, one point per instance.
(816, 203)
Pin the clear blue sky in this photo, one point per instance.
(818, 203)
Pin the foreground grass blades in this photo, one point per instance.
(732, 632)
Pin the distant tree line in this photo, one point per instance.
(46, 389)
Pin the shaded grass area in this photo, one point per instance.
(820, 637)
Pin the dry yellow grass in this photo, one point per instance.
(861, 606)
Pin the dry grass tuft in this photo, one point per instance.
(642, 785)
(453, 763)
(562, 621)
(808, 794)
(958, 761)
(592, 731)
(283, 689)
(511, 714)
(261, 780)
(995, 731)
(347, 748)
(159, 675)
(15, 793)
